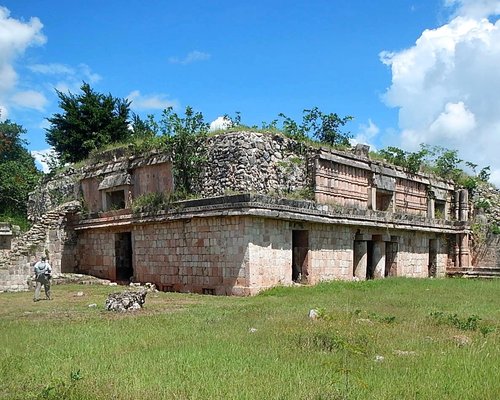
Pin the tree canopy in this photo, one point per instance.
(88, 121)
(184, 139)
(324, 127)
(18, 173)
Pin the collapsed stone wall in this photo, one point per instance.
(255, 162)
(52, 192)
(49, 236)
(485, 226)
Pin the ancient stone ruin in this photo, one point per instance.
(126, 301)
(270, 211)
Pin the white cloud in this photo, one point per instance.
(446, 85)
(366, 134)
(69, 78)
(42, 156)
(15, 37)
(52, 69)
(454, 122)
(30, 99)
(220, 124)
(151, 102)
(3, 113)
(474, 8)
(191, 57)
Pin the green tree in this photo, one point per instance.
(185, 139)
(18, 173)
(324, 127)
(88, 121)
(408, 160)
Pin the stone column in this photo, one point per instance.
(431, 209)
(360, 259)
(464, 205)
(372, 198)
(464, 251)
(378, 259)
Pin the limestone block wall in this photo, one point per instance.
(96, 253)
(411, 197)
(345, 185)
(413, 255)
(331, 252)
(92, 198)
(155, 178)
(196, 255)
(270, 251)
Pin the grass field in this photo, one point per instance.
(387, 339)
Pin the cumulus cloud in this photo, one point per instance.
(366, 134)
(220, 124)
(151, 102)
(446, 85)
(15, 37)
(193, 56)
(474, 8)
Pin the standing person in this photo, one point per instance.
(43, 273)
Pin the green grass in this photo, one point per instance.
(387, 339)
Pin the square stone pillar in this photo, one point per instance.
(378, 259)
(360, 259)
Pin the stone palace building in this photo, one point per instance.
(269, 211)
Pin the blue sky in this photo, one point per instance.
(408, 71)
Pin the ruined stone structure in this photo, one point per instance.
(247, 231)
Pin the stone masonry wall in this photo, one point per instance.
(255, 162)
(194, 255)
(49, 236)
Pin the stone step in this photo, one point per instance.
(478, 272)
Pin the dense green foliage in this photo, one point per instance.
(324, 127)
(386, 339)
(184, 138)
(18, 173)
(88, 121)
(438, 160)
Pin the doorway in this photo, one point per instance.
(300, 248)
(370, 268)
(123, 257)
(432, 257)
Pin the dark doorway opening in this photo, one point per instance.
(432, 257)
(300, 248)
(115, 200)
(370, 268)
(123, 257)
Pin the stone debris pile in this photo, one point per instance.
(126, 301)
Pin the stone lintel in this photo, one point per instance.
(363, 237)
(382, 238)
